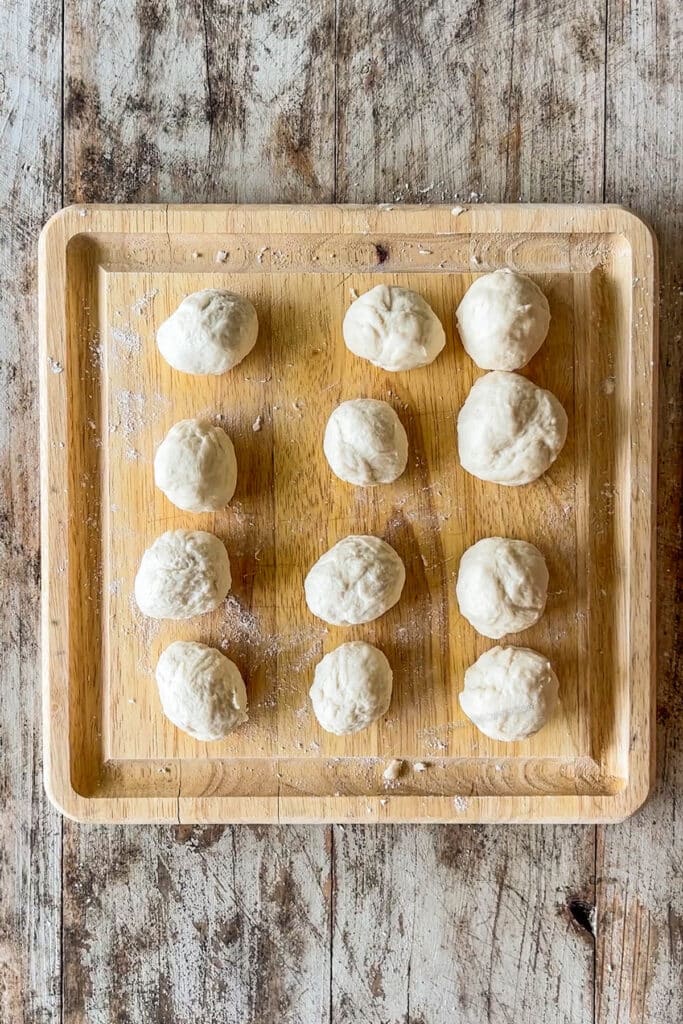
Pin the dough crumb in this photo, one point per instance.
(261, 253)
(607, 386)
(195, 255)
(55, 366)
(393, 770)
(384, 801)
(221, 256)
(257, 424)
(353, 293)
(425, 252)
(457, 210)
(420, 766)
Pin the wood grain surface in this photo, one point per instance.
(561, 103)
(108, 277)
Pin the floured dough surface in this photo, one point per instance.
(510, 431)
(510, 692)
(502, 586)
(195, 466)
(210, 332)
(351, 688)
(357, 580)
(201, 691)
(365, 443)
(394, 328)
(183, 573)
(503, 320)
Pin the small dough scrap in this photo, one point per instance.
(510, 693)
(210, 332)
(201, 691)
(510, 431)
(393, 328)
(351, 688)
(195, 466)
(503, 320)
(365, 442)
(357, 580)
(183, 573)
(502, 586)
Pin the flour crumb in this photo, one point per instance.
(195, 255)
(384, 801)
(457, 210)
(460, 803)
(221, 256)
(141, 305)
(257, 424)
(420, 766)
(425, 252)
(607, 385)
(55, 366)
(393, 770)
(131, 700)
(127, 340)
(353, 293)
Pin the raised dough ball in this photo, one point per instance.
(502, 586)
(351, 688)
(357, 580)
(365, 442)
(510, 431)
(195, 466)
(503, 320)
(201, 691)
(210, 332)
(510, 692)
(184, 573)
(394, 328)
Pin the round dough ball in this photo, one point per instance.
(210, 332)
(356, 581)
(351, 688)
(503, 320)
(201, 691)
(184, 573)
(394, 328)
(510, 431)
(365, 442)
(502, 586)
(510, 692)
(195, 466)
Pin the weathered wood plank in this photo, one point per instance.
(639, 894)
(448, 923)
(203, 102)
(470, 101)
(196, 923)
(462, 924)
(222, 103)
(30, 831)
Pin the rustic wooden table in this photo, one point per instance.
(321, 101)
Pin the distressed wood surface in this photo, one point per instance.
(306, 102)
(30, 830)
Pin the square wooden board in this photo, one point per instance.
(108, 277)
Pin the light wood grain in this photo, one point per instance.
(30, 830)
(100, 305)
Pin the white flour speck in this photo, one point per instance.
(127, 341)
(141, 305)
(55, 366)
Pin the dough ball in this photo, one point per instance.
(365, 442)
(510, 431)
(357, 580)
(201, 691)
(351, 688)
(502, 586)
(210, 332)
(510, 693)
(503, 320)
(184, 573)
(195, 466)
(394, 328)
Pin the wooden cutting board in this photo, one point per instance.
(108, 276)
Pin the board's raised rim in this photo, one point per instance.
(84, 219)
